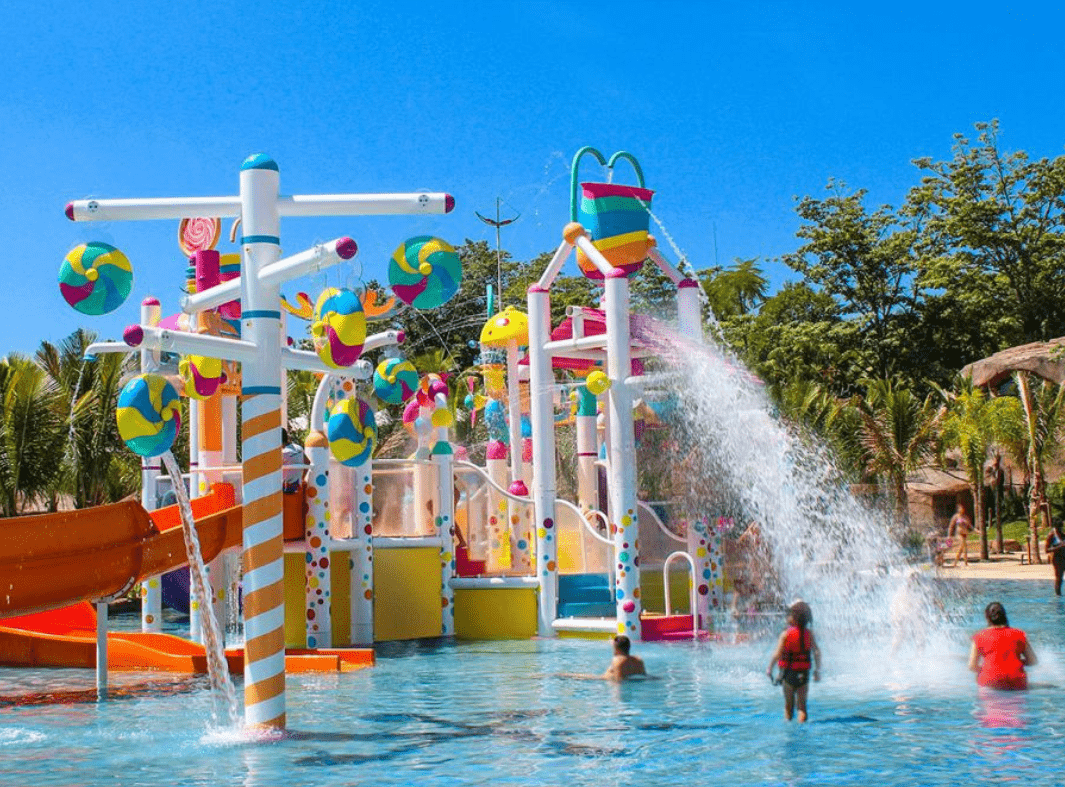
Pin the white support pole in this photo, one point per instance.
(622, 452)
(185, 343)
(361, 557)
(233, 619)
(210, 460)
(664, 265)
(701, 549)
(231, 207)
(584, 243)
(312, 260)
(553, 267)
(195, 624)
(101, 650)
(444, 459)
(319, 585)
(587, 449)
(306, 361)
(541, 382)
(151, 587)
(412, 204)
(264, 599)
(689, 310)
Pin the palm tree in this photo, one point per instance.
(898, 433)
(1043, 406)
(31, 434)
(972, 424)
(99, 468)
(735, 291)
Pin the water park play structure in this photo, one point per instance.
(365, 549)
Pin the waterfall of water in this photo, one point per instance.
(217, 668)
(820, 542)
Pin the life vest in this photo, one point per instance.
(796, 655)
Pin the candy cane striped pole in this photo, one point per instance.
(264, 611)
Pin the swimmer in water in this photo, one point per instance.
(623, 665)
(793, 656)
(1000, 654)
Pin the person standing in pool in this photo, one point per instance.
(793, 655)
(959, 528)
(1000, 654)
(1055, 547)
(623, 665)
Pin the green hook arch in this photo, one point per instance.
(573, 176)
(621, 154)
(632, 160)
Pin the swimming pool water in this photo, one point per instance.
(500, 713)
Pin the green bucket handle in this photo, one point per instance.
(621, 154)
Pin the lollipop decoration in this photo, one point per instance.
(202, 375)
(148, 415)
(339, 327)
(198, 234)
(425, 272)
(95, 278)
(395, 380)
(352, 432)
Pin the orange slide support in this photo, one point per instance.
(52, 565)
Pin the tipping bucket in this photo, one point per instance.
(617, 217)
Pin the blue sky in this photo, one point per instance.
(733, 109)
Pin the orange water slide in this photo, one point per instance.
(52, 566)
(55, 560)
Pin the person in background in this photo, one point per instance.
(623, 665)
(793, 655)
(1000, 654)
(1055, 548)
(959, 528)
(291, 454)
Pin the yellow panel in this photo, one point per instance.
(340, 577)
(495, 613)
(569, 550)
(295, 600)
(653, 597)
(406, 593)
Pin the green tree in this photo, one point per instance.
(31, 434)
(866, 262)
(737, 290)
(972, 424)
(898, 433)
(799, 334)
(994, 234)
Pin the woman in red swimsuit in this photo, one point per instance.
(793, 656)
(1000, 654)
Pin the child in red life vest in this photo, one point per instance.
(795, 650)
(1000, 654)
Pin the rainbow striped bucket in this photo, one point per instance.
(617, 217)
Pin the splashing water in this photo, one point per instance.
(72, 448)
(217, 668)
(820, 543)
